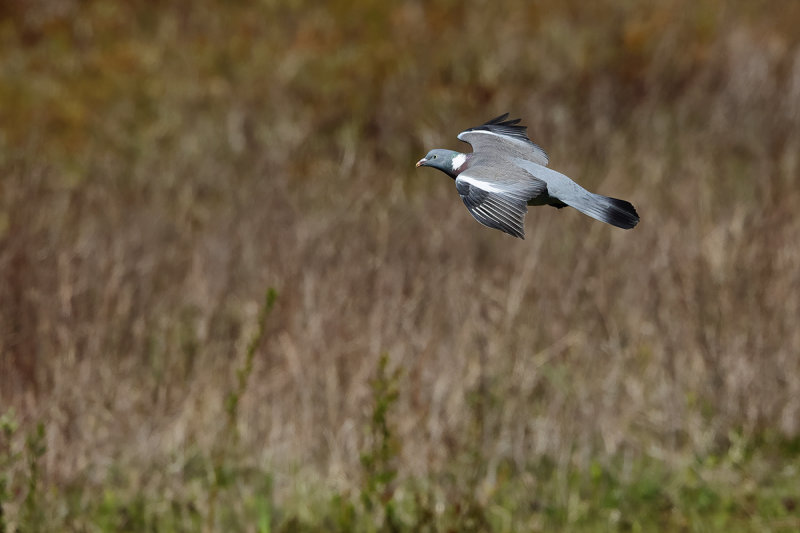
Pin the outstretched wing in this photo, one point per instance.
(504, 137)
(499, 203)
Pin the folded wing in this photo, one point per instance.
(499, 202)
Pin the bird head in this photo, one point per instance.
(448, 161)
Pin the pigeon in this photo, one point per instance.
(506, 172)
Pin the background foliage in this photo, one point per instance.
(163, 165)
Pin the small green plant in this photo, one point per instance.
(8, 426)
(221, 473)
(34, 450)
(263, 504)
(243, 373)
(32, 515)
(379, 459)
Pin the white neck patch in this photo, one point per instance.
(459, 160)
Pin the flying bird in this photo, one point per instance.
(506, 172)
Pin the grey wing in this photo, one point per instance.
(504, 137)
(498, 203)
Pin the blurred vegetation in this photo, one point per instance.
(163, 164)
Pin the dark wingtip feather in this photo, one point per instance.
(497, 120)
(510, 128)
(501, 121)
(621, 214)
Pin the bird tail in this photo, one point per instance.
(612, 211)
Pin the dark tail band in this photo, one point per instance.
(620, 213)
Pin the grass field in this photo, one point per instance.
(230, 302)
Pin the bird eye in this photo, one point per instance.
(434, 157)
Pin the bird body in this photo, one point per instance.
(506, 172)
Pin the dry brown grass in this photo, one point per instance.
(160, 169)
